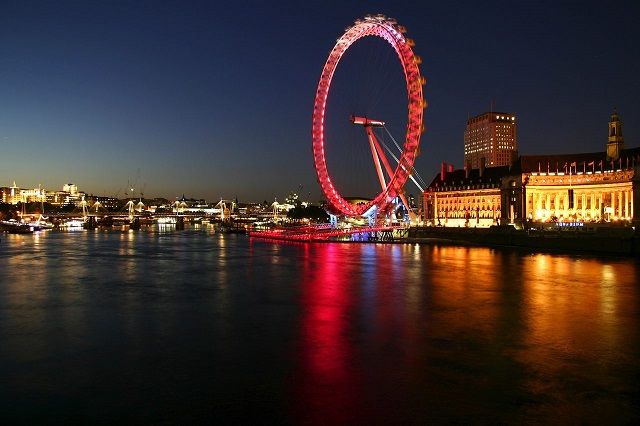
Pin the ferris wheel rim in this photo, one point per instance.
(387, 29)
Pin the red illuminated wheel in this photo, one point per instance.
(387, 29)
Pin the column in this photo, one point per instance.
(560, 204)
(620, 211)
(534, 201)
(613, 203)
(593, 205)
(584, 204)
(540, 197)
(548, 205)
(600, 201)
(626, 204)
(538, 201)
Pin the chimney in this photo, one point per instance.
(467, 169)
(443, 171)
(483, 163)
(450, 168)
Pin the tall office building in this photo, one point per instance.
(491, 136)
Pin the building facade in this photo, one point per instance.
(10, 194)
(461, 198)
(490, 137)
(603, 193)
(15, 195)
(594, 187)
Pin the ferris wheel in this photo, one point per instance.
(392, 176)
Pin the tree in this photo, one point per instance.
(8, 211)
(313, 213)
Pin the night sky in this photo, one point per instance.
(214, 99)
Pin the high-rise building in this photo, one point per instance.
(490, 136)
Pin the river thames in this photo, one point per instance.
(182, 327)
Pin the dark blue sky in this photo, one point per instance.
(214, 99)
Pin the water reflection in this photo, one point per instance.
(195, 325)
(325, 379)
(502, 335)
(582, 325)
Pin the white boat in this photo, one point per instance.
(14, 227)
(42, 223)
(167, 220)
(72, 223)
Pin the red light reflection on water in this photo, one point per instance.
(325, 383)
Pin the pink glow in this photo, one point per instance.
(389, 31)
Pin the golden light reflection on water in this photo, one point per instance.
(580, 312)
(551, 292)
(561, 289)
(466, 286)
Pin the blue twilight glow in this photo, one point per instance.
(211, 100)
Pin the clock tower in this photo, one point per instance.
(615, 144)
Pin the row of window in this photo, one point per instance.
(468, 200)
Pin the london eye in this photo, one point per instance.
(393, 161)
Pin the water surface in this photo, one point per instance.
(177, 327)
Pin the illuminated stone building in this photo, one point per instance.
(10, 194)
(490, 137)
(15, 195)
(586, 187)
(581, 187)
(5, 196)
(36, 195)
(469, 197)
(68, 195)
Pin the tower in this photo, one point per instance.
(490, 137)
(615, 144)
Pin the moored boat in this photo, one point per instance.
(72, 224)
(21, 229)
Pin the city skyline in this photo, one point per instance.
(212, 102)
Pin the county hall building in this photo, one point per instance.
(585, 187)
